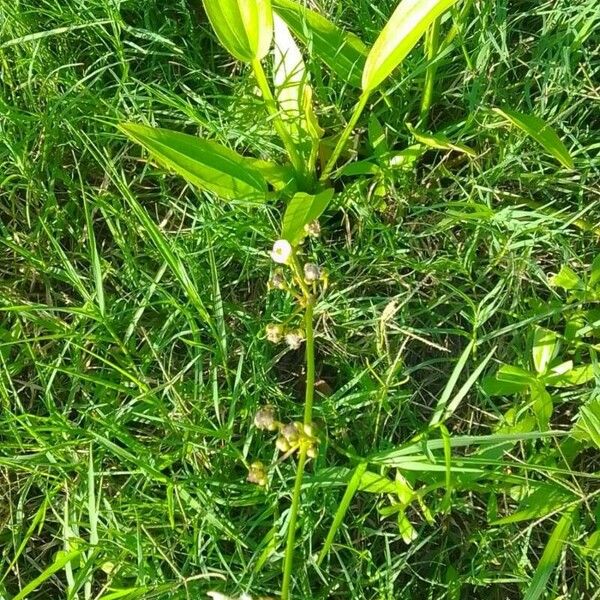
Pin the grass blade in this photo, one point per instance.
(62, 559)
(340, 513)
(549, 557)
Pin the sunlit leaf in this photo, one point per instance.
(567, 279)
(244, 27)
(302, 209)
(400, 35)
(541, 132)
(203, 163)
(544, 500)
(342, 52)
(587, 427)
(293, 92)
(545, 347)
(541, 404)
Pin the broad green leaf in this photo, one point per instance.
(542, 405)
(293, 92)
(407, 531)
(567, 279)
(377, 484)
(545, 347)
(595, 272)
(244, 27)
(399, 36)
(360, 167)
(549, 558)
(279, 176)
(545, 499)
(342, 52)
(541, 132)
(587, 427)
(592, 546)
(377, 138)
(439, 141)
(205, 164)
(493, 386)
(302, 209)
(579, 375)
(405, 159)
(512, 374)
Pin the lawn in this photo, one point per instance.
(456, 419)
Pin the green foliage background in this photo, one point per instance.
(132, 357)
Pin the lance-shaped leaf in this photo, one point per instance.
(203, 163)
(541, 132)
(439, 141)
(344, 53)
(293, 91)
(244, 27)
(399, 36)
(302, 209)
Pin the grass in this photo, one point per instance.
(132, 311)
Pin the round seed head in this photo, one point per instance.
(265, 418)
(277, 281)
(311, 272)
(312, 451)
(282, 444)
(275, 332)
(313, 228)
(291, 432)
(294, 339)
(257, 473)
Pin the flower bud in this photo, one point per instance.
(312, 451)
(244, 27)
(257, 473)
(275, 332)
(282, 252)
(291, 432)
(265, 418)
(294, 339)
(312, 273)
(282, 444)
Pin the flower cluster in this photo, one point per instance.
(291, 437)
(302, 282)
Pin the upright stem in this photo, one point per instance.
(432, 47)
(271, 105)
(308, 404)
(339, 148)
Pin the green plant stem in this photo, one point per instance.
(341, 144)
(432, 48)
(308, 404)
(271, 105)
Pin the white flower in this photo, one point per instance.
(282, 252)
